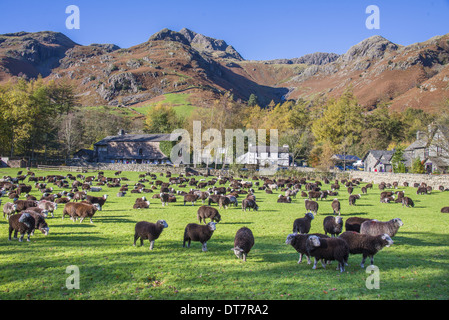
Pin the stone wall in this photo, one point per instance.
(377, 177)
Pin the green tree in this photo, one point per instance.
(252, 100)
(418, 166)
(162, 118)
(397, 161)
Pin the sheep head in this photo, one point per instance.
(290, 238)
(314, 241)
(387, 239)
(162, 223)
(212, 226)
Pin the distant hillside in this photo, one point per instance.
(378, 70)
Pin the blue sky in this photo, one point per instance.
(259, 30)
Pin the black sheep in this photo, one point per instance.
(328, 249)
(141, 203)
(445, 210)
(352, 199)
(333, 225)
(148, 230)
(366, 245)
(224, 202)
(354, 223)
(298, 241)
(302, 225)
(406, 201)
(190, 197)
(197, 232)
(311, 206)
(248, 204)
(336, 206)
(243, 242)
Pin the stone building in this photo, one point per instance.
(131, 148)
(378, 161)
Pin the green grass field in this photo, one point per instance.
(415, 267)
(179, 101)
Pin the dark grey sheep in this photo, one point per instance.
(248, 204)
(298, 241)
(408, 202)
(333, 225)
(197, 232)
(336, 206)
(328, 249)
(375, 227)
(190, 197)
(302, 225)
(365, 244)
(243, 242)
(148, 230)
(311, 206)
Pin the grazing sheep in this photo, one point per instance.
(224, 202)
(233, 200)
(189, 197)
(100, 200)
(353, 198)
(147, 230)
(302, 225)
(328, 249)
(298, 241)
(197, 232)
(81, 210)
(336, 206)
(25, 204)
(445, 210)
(205, 212)
(283, 199)
(243, 242)
(26, 223)
(8, 209)
(311, 206)
(213, 198)
(421, 190)
(248, 204)
(365, 244)
(354, 223)
(48, 206)
(375, 227)
(406, 201)
(333, 225)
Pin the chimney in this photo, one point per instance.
(121, 132)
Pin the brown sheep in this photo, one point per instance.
(147, 230)
(205, 212)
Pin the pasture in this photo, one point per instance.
(415, 267)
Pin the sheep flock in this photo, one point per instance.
(32, 202)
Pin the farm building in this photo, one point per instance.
(378, 160)
(263, 155)
(131, 148)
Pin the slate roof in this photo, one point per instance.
(158, 137)
(379, 153)
(266, 149)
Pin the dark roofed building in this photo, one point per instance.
(131, 148)
(378, 160)
(344, 162)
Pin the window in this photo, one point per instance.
(140, 151)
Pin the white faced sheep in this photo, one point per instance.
(354, 223)
(26, 223)
(147, 230)
(100, 200)
(48, 206)
(336, 206)
(298, 241)
(197, 232)
(141, 203)
(365, 244)
(333, 225)
(375, 227)
(205, 212)
(243, 242)
(164, 198)
(311, 206)
(302, 225)
(328, 249)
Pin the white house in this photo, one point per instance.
(264, 155)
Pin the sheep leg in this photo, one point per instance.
(244, 257)
(308, 259)
(135, 239)
(91, 220)
(323, 263)
(204, 247)
(314, 264)
(81, 219)
(372, 260)
(15, 234)
(300, 258)
(21, 237)
(151, 245)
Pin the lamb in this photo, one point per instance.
(248, 204)
(406, 201)
(365, 244)
(189, 197)
(141, 203)
(353, 198)
(8, 209)
(205, 212)
(328, 249)
(147, 230)
(336, 206)
(375, 227)
(26, 223)
(196, 232)
(302, 225)
(311, 206)
(298, 241)
(48, 206)
(243, 242)
(333, 225)
(354, 223)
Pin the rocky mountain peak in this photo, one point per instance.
(374, 47)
